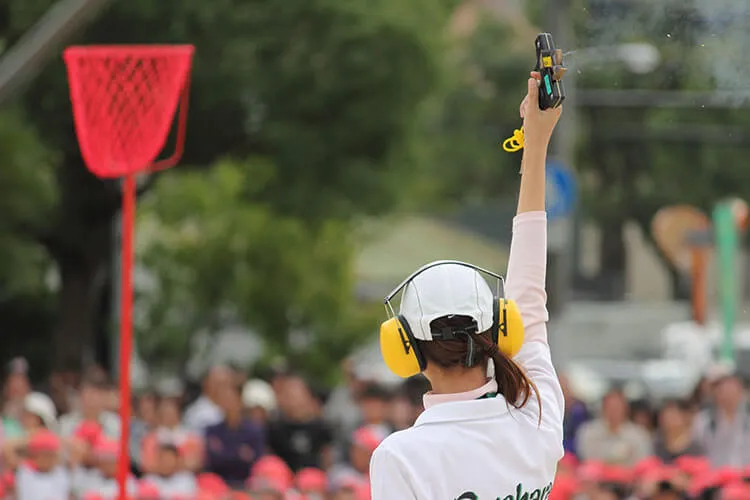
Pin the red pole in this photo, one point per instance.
(126, 329)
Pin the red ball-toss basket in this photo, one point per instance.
(124, 100)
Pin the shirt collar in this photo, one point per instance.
(430, 399)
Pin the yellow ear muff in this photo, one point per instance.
(510, 332)
(398, 352)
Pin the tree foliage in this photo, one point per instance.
(324, 92)
(214, 256)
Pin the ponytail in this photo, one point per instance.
(512, 382)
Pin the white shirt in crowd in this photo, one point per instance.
(727, 442)
(201, 414)
(178, 484)
(34, 485)
(83, 480)
(108, 488)
(466, 448)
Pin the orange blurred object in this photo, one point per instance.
(671, 227)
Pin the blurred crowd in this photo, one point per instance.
(278, 438)
(694, 448)
(235, 438)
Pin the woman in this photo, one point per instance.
(481, 438)
(675, 437)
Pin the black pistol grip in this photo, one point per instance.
(549, 64)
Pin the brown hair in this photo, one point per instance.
(512, 382)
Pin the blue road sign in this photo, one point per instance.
(561, 190)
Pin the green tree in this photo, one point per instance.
(325, 91)
(215, 256)
(27, 185)
(476, 112)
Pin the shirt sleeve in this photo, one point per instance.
(525, 283)
(388, 480)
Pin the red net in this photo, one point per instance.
(124, 100)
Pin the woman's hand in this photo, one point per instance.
(537, 124)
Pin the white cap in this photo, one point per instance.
(720, 371)
(444, 290)
(42, 406)
(258, 393)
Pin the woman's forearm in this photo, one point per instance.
(531, 196)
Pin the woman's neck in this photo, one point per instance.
(676, 440)
(90, 414)
(448, 384)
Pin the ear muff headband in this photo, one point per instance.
(410, 278)
(399, 346)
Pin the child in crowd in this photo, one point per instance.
(312, 483)
(364, 441)
(170, 429)
(81, 456)
(270, 479)
(170, 477)
(103, 479)
(41, 477)
(38, 413)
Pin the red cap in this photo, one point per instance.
(92, 495)
(362, 492)
(366, 438)
(274, 468)
(705, 480)
(592, 471)
(89, 432)
(617, 474)
(727, 475)
(665, 473)
(44, 440)
(563, 488)
(212, 483)
(693, 465)
(646, 465)
(107, 448)
(8, 480)
(148, 491)
(241, 495)
(569, 460)
(735, 491)
(206, 495)
(311, 479)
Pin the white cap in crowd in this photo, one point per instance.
(720, 371)
(257, 393)
(42, 406)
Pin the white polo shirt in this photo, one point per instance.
(463, 448)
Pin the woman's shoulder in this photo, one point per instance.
(402, 443)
